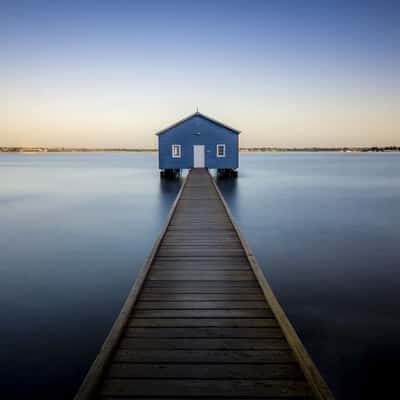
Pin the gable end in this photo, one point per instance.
(197, 114)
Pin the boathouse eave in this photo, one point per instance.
(197, 114)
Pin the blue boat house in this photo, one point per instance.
(198, 141)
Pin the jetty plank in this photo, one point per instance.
(205, 371)
(187, 297)
(204, 343)
(201, 320)
(197, 322)
(204, 332)
(199, 305)
(205, 388)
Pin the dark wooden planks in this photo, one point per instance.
(204, 332)
(202, 313)
(204, 283)
(202, 322)
(200, 305)
(182, 275)
(201, 327)
(198, 267)
(205, 388)
(148, 295)
(204, 343)
(205, 371)
(156, 288)
(203, 356)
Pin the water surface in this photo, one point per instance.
(76, 228)
(325, 228)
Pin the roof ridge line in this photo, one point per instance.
(197, 113)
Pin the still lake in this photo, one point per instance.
(75, 229)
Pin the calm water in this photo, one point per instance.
(326, 230)
(76, 228)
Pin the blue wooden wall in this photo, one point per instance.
(198, 130)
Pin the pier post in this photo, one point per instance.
(170, 173)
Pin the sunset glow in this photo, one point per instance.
(285, 73)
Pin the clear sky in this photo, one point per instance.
(285, 73)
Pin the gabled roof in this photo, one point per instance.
(197, 114)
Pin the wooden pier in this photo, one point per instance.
(201, 320)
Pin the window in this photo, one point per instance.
(220, 150)
(176, 151)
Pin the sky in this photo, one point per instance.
(284, 73)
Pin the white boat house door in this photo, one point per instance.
(198, 156)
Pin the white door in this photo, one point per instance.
(198, 156)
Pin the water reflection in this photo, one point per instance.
(75, 229)
(168, 189)
(322, 228)
(228, 183)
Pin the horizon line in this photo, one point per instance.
(6, 149)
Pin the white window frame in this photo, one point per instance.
(177, 146)
(224, 147)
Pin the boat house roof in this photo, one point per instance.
(197, 114)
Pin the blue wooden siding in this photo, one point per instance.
(198, 130)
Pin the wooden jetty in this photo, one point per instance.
(201, 320)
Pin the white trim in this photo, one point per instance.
(224, 147)
(176, 146)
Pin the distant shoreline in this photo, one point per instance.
(375, 149)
